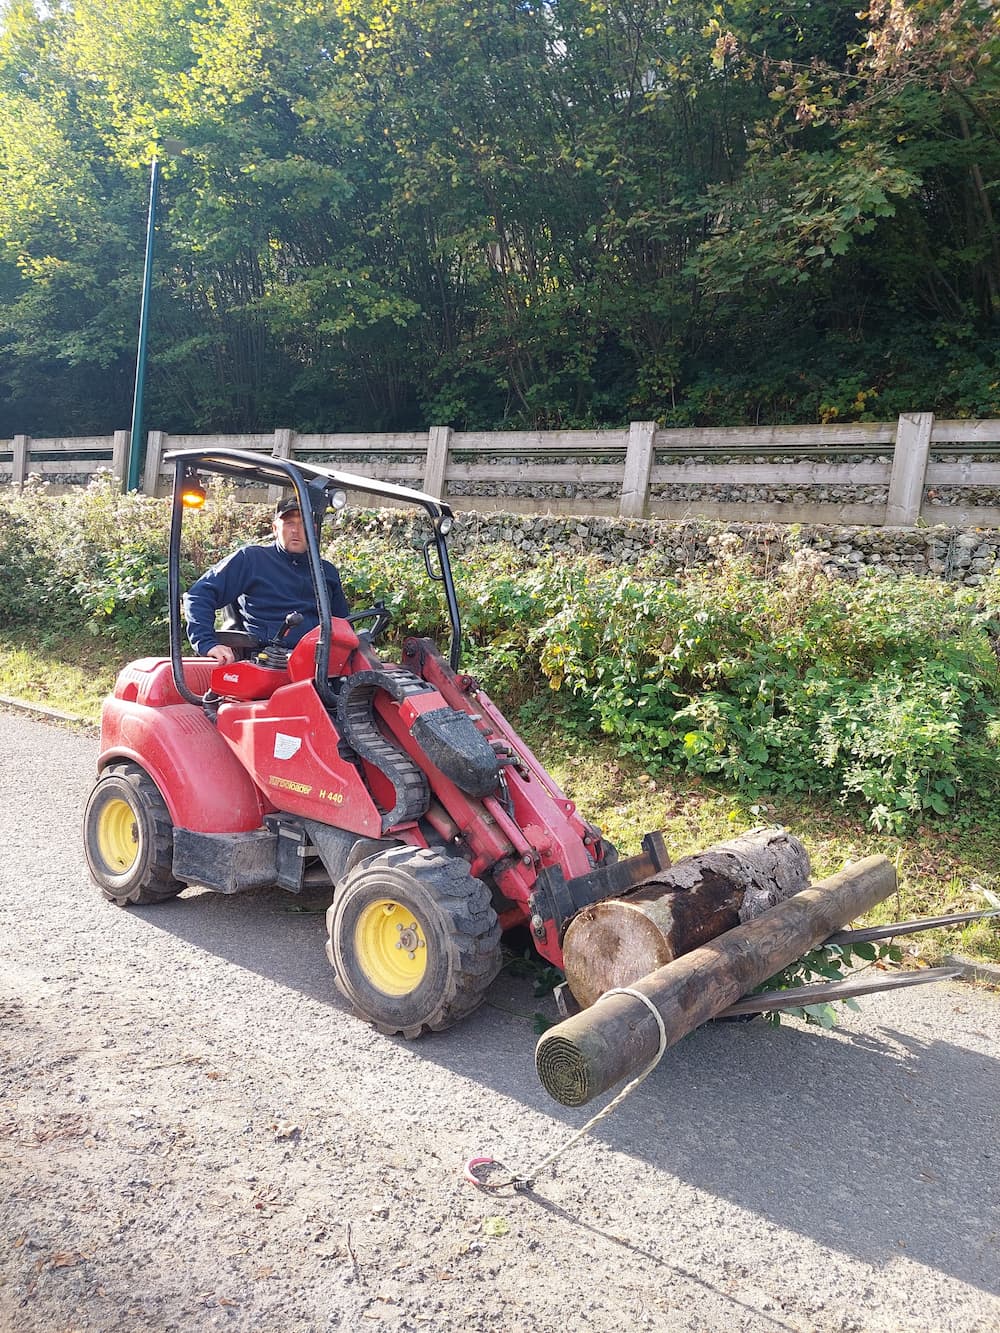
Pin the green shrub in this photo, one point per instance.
(883, 691)
(93, 551)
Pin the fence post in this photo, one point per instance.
(438, 448)
(119, 456)
(156, 444)
(19, 466)
(284, 447)
(909, 468)
(638, 465)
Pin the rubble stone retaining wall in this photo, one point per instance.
(965, 556)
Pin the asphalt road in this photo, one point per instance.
(195, 1132)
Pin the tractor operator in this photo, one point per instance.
(265, 583)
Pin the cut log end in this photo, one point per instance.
(610, 944)
(564, 1072)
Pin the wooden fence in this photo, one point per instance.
(892, 474)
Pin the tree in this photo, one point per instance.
(491, 212)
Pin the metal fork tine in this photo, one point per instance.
(869, 933)
(825, 991)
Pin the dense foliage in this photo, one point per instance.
(478, 212)
(884, 691)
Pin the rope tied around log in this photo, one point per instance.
(525, 1182)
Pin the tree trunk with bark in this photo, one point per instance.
(613, 943)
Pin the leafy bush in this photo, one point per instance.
(93, 551)
(794, 684)
(884, 691)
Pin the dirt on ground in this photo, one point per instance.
(197, 1133)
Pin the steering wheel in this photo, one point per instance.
(379, 613)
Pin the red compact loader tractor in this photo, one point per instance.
(403, 792)
(401, 787)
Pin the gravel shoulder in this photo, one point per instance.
(196, 1133)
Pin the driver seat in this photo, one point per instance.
(234, 634)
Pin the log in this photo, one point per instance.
(617, 941)
(618, 1036)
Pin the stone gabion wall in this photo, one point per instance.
(958, 555)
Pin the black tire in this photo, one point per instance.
(610, 851)
(413, 939)
(129, 837)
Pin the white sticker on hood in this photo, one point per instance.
(286, 746)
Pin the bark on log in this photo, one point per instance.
(614, 942)
(618, 1036)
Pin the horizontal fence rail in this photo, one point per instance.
(896, 474)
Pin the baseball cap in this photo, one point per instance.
(289, 505)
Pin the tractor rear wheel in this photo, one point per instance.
(128, 838)
(413, 939)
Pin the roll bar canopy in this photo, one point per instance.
(263, 470)
(314, 485)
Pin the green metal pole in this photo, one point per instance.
(137, 444)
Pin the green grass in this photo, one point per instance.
(941, 867)
(72, 674)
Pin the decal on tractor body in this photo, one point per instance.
(286, 746)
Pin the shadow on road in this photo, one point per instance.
(879, 1146)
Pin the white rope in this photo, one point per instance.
(527, 1180)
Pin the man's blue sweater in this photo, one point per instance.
(266, 583)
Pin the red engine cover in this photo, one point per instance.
(288, 744)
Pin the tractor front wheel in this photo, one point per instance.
(128, 838)
(414, 940)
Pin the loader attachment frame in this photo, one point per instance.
(558, 899)
(825, 992)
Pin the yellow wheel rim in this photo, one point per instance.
(118, 836)
(390, 947)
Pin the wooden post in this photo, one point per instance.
(909, 468)
(618, 940)
(638, 465)
(438, 447)
(156, 444)
(284, 447)
(619, 1035)
(19, 466)
(119, 456)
